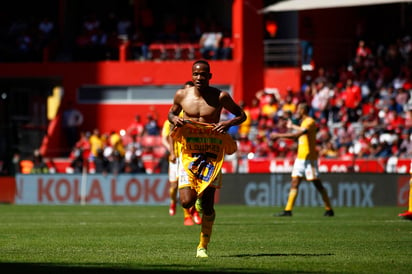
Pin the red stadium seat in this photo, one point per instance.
(157, 51)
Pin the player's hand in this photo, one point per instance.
(172, 158)
(221, 127)
(178, 122)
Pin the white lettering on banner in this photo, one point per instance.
(338, 168)
(282, 167)
(360, 192)
(65, 189)
(276, 193)
(402, 169)
(403, 195)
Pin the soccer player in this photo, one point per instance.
(191, 216)
(305, 165)
(408, 213)
(204, 142)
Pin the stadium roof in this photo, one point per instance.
(295, 5)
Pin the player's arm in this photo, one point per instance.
(292, 126)
(299, 131)
(176, 108)
(228, 103)
(165, 142)
(172, 155)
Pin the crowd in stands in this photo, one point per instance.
(363, 110)
(25, 39)
(125, 151)
(99, 37)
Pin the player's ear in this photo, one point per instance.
(210, 76)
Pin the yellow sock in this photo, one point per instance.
(207, 224)
(410, 195)
(173, 194)
(293, 193)
(186, 212)
(326, 200)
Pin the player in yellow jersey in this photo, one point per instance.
(202, 104)
(408, 213)
(305, 165)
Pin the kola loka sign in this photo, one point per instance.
(92, 189)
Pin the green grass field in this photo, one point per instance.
(130, 239)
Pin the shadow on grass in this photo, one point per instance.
(32, 268)
(280, 255)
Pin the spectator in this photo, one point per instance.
(124, 28)
(362, 52)
(408, 118)
(133, 145)
(346, 154)
(15, 166)
(289, 104)
(227, 47)
(321, 76)
(134, 162)
(45, 32)
(393, 120)
(328, 150)
(402, 97)
(344, 135)
(151, 127)
(370, 118)
(282, 147)
(78, 162)
(405, 147)
(139, 46)
(352, 98)
(101, 163)
(244, 128)
(96, 143)
(84, 144)
(261, 145)
(320, 101)
(255, 113)
(136, 127)
(91, 23)
(115, 141)
(265, 96)
(117, 163)
(245, 147)
(39, 166)
(362, 145)
(25, 46)
(270, 109)
(210, 42)
(395, 106)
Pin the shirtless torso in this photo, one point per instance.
(204, 103)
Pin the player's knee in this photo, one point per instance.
(187, 203)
